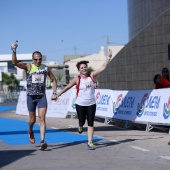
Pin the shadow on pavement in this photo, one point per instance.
(111, 143)
(67, 144)
(7, 157)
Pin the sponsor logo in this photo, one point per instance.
(102, 99)
(148, 105)
(166, 109)
(97, 96)
(117, 104)
(141, 105)
(102, 102)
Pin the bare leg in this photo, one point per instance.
(41, 115)
(32, 120)
(90, 131)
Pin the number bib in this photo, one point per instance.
(38, 78)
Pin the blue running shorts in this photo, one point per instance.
(34, 101)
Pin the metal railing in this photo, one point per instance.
(9, 96)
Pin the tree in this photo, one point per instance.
(68, 78)
(59, 77)
(89, 70)
(10, 81)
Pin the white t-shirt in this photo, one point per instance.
(86, 92)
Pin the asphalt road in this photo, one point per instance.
(116, 148)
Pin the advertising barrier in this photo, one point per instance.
(138, 105)
(142, 105)
(57, 108)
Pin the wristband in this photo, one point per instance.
(55, 93)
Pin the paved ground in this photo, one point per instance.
(116, 148)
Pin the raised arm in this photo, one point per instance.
(14, 58)
(103, 67)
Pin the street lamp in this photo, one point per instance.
(62, 47)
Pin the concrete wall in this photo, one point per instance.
(143, 12)
(134, 67)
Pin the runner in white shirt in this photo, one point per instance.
(85, 100)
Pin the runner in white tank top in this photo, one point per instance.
(86, 94)
(85, 101)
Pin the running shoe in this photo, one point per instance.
(31, 137)
(80, 130)
(91, 146)
(169, 143)
(43, 146)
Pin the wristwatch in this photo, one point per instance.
(55, 93)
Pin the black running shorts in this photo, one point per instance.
(84, 112)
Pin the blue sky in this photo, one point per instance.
(57, 27)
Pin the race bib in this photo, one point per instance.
(89, 85)
(38, 78)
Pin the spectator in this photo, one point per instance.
(160, 82)
(165, 73)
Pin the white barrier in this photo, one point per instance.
(57, 108)
(140, 105)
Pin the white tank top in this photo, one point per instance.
(85, 92)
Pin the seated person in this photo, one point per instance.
(160, 82)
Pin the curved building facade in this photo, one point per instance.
(148, 50)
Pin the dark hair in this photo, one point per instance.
(36, 52)
(155, 78)
(165, 68)
(167, 76)
(81, 62)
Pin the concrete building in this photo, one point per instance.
(146, 53)
(95, 60)
(58, 70)
(19, 73)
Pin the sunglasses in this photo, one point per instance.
(37, 59)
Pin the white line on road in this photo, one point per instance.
(165, 157)
(116, 141)
(138, 148)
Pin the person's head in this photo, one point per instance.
(37, 58)
(95, 84)
(157, 79)
(165, 73)
(82, 67)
